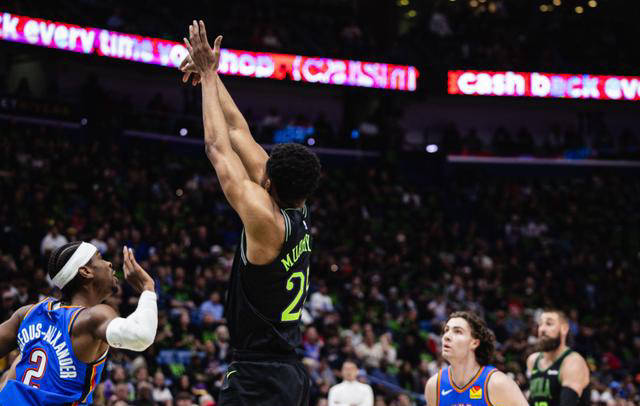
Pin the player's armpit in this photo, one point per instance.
(574, 373)
(9, 331)
(502, 390)
(94, 321)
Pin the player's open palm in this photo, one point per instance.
(137, 277)
(204, 58)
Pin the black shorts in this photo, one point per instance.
(265, 383)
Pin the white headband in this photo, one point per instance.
(80, 257)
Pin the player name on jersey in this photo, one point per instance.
(294, 255)
(52, 336)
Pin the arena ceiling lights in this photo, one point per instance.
(155, 51)
(548, 85)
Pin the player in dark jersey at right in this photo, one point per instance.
(558, 376)
(270, 274)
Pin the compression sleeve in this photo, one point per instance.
(138, 331)
(568, 397)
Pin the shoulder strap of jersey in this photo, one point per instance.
(438, 385)
(490, 370)
(562, 357)
(287, 224)
(243, 248)
(73, 318)
(538, 358)
(33, 307)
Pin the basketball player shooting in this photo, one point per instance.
(270, 272)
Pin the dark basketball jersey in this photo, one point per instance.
(545, 385)
(49, 372)
(264, 302)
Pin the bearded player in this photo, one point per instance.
(558, 376)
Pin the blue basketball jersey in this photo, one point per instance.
(473, 394)
(49, 372)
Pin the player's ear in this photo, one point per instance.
(267, 184)
(475, 343)
(86, 272)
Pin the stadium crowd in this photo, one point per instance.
(391, 259)
(96, 107)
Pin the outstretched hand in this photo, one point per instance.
(201, 57)
(134, 274)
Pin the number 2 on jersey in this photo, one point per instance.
(38, 358)
(288, 314)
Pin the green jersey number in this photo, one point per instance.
(543, 403)
(288, 314)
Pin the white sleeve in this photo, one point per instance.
(138, 331)
(368, 398)
(332, 395)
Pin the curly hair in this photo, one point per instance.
(294, 171)
(480, 331)
(56, 262)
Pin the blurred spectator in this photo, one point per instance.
(350, 391)
(374, 352)
(184, 399)
(213, 308)
(52, 240)
(161, 392)
(320, 301)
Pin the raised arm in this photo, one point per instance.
(248, 198)
(136, 332)
(252, 155)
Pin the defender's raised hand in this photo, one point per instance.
(203, 58)
(137, 277)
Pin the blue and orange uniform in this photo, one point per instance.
(49, 372)
(475, 393)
